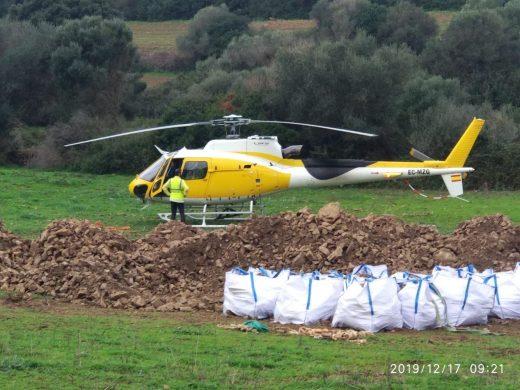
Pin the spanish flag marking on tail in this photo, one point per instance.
(455, 178)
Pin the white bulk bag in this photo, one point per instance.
(468, 301)
(422, 306)
(308, 298)
(374, 271)
(371, 305)
(507, 294)
(252, 293)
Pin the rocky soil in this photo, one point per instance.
(178, 267)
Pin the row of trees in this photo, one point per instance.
(153, 10)
(370, 65)
(50, 73)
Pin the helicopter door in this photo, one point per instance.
(160, 179)
(195, 172)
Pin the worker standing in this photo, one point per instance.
(177, 189)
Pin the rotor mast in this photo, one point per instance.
(232, 124)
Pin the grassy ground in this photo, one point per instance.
(157, 36)
(282, 25)
(31, 199)
(93, 349)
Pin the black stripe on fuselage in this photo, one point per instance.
(324, 169)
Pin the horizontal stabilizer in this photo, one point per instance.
(419, 155)
(453, 183)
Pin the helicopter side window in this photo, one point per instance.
(149, 173)
(194, 170)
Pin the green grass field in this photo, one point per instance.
(31, 199)
(93, 349)
(47, 344)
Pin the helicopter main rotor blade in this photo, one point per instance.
(141, 131)
(318, 126)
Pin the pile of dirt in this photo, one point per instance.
(178, 267)
(11, 247)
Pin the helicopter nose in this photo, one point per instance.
(138, 188)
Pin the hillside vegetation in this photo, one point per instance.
(380, 66)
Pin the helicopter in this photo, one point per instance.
(237, 172)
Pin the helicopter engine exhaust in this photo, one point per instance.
(292, 151)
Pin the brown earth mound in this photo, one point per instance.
(178, 267)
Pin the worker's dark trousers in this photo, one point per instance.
(180, 206)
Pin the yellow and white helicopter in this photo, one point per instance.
(239, 171)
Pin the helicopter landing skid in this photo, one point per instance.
(210, 213)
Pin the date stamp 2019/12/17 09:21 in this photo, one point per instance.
(445, 368)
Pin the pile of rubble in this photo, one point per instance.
(178, 267)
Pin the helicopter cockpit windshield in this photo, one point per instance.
(149, 173)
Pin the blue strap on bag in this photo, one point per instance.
(252, 276)
(370, 297)
(466, 292)
(494, 277)
(416, 309)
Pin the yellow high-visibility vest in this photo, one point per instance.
(177, 188)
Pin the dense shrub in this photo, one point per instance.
(210, 31)
(58, 11)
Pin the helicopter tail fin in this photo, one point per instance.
(460, 153)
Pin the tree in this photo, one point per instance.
(339, 19)
(4, 7)
(58, 11)
(345, 83)
(482, 49)
(28, 93)
(210, 31)
(429, 5)
(288, 9)
(93, 63)
(406, 23)
(422, 93)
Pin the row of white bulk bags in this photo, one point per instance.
(308, 298)
(363, 301)
(369, 304)
(252, 293)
